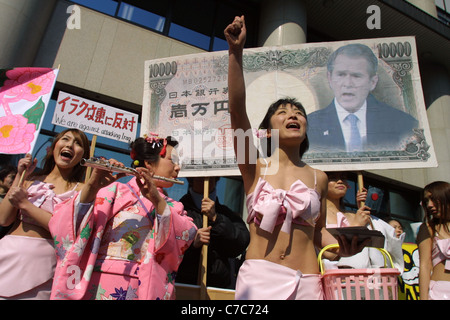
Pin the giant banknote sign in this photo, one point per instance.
(187, 97)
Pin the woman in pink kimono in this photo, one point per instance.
(27, 256)
(119, 241)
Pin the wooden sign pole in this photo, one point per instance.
(204, 254)
(360, 188)
(91, 154)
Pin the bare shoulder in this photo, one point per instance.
(424, 233)
(321, 176)
(321, 180)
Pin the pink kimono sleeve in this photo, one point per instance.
(77, 251)
(173, 234)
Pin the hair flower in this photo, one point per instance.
(156, 141)
(153, 138)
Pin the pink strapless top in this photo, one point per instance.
(342, 221)
(299, 204)
(41, 194)
(441, 252)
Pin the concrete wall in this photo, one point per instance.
(22, 26)
(107, 55)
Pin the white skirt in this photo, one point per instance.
(27, 265)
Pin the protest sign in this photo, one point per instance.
(24, 97)
(186, 97)
(92, 117)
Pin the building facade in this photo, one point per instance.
(100, 47)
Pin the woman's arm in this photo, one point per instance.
(322, 237)
(235, 34)
(425, 243)
(97, 180)
(8, 210)
(19, 199)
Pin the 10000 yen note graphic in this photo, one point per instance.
(187, 97)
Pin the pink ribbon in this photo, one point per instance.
(269, 201)
(444, 247)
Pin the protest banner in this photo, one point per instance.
(408, 288)
(92, 117)
(24, 97)
(96, 118)
(186, 97)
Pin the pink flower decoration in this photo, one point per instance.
(16, 134)
(152, 137)
(27, 83)
(155, 140)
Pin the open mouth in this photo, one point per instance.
(293, 125)
(66, 155)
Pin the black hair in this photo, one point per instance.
(265, 123)
(7, 170)
(142, 151)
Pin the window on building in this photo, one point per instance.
(141, 17)
(106, 6)
(187, 35)
(197, 22)
(443, 10)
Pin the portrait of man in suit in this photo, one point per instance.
(355, 120)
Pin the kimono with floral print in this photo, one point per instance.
(120, 250)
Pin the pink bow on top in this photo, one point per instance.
(444, 247)
(41, 194)
(269, 202)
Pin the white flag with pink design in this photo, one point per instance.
(24, 97)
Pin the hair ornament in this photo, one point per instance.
(163, 150)
(133, 154)
(156, 141)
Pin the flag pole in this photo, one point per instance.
(204, 254)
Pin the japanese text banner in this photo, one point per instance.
(92, 117)
(187, 97)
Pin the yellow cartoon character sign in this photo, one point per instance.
(408, 285)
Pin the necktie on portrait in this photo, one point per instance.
(355, 143)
